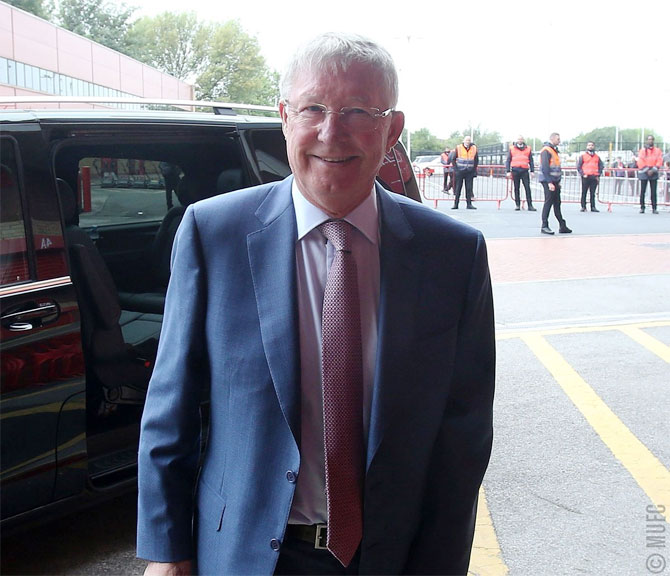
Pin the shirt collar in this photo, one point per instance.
(365, 217)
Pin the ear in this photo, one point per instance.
(283, 114)
(395, 130)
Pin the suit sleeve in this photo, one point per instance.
(463, 445)
(170, 430)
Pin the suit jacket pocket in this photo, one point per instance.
(211, 506)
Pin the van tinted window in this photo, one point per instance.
(13, 245)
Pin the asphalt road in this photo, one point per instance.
(581, 453)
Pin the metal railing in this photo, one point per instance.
(492, 185)
(137, 103)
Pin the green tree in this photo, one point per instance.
(104, 22)
(629, 138)
(172, 43)
(479, 137)
(42, 8)
(233, 68)
(423, 143)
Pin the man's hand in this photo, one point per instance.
(182, 568)
(551, 186)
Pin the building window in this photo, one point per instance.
(34, 78)
(11, 72)
(4, 77)
(20, 75)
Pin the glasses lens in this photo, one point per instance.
(354, 118)
(358, 119)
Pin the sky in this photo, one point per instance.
(525, 67)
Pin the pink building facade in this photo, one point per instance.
(37, 57)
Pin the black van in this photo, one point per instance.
(90, 200)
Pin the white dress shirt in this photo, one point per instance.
(314, 255)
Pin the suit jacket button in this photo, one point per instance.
(275, 544)
(291, 477)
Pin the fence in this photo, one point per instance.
(492, 185)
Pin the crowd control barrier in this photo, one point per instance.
(491, 185)
(619, 186)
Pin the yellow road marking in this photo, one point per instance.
(504, 335)
(649, 342)
(486, 558)
(652, 476)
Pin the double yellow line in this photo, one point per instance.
(651, 475)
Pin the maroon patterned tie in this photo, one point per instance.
(342, 396)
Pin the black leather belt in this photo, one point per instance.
(316, 534)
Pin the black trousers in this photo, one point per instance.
(448, 182)
(171, 183)
(519, 176)
(552, 199)
(459, 179)
(299, 558)
(652, 192)
(589, 183)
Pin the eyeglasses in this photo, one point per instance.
(356, 118)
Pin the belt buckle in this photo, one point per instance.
(321, 537)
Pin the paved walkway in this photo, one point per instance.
(563, 257)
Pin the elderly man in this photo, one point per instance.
(346, 337)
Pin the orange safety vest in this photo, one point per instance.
(520, 158)
(554, 164)
(650, 157)
(465, 157)
(444, 159)
(590, 164)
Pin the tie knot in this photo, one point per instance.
(338, 232)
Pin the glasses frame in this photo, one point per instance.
(374, 113)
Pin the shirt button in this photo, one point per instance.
(275, 544)
(291, 477)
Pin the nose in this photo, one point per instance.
(331, 126)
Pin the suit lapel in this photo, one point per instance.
(398, 288)
(272, 261)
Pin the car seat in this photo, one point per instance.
(119, 348)
(160, 254)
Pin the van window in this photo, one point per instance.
(123, 190)
(13, 245)
(269, 149)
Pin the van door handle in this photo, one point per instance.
(30, 316)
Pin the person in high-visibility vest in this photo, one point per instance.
(448, 170)
(590, 167)
(550, 178)
(518, 164)
(649, 160)
(464, 159)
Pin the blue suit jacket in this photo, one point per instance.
(230, 325)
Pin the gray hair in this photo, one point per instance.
(335, 52)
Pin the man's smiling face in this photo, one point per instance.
(335, 166)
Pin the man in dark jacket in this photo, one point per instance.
(550, 178)
(448, 170)
(464, 158)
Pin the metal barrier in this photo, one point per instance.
(492, 185)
